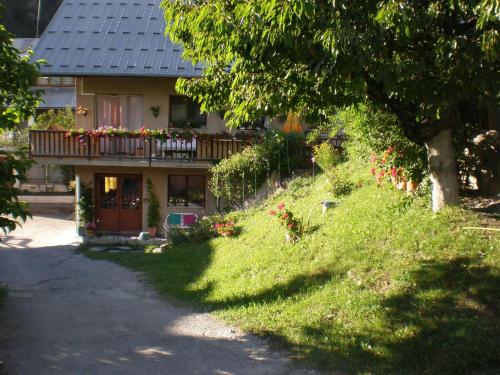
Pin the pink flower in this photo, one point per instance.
(382, 173)
(394, 172)
(281, 206)
(290, 225)
(390, 150)
(373, 171)
(272, 213)
(373, 158)
(285, 216)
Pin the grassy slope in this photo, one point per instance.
(379, 286)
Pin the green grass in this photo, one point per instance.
(379, 284)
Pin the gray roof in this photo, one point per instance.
(111, 38)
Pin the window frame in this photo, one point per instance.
(176, 126)
(187, 197)
(128, 109)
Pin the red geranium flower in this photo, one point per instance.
(373, 159)
(290, 225)
(390, 150)
(373, 170)
(394, 172)
(285, 216)
(272, 213)
(281, 206)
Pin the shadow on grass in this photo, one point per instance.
(446, 322)
(452, 311)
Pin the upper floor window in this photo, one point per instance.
(56, 81)
(124, 111)
(185, 113)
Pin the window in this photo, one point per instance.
(185, 113)
(186, 191)
(120, 111)
(56, 81)
(42, 81)
(68, 81)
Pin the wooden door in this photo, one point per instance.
(130, 203)
(119, 203)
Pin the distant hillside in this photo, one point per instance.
(20, 16)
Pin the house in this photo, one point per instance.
(58, 93)
(125, 70)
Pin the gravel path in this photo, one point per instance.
(67, 314)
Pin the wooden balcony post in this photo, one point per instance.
(30, 143)
(150, 149)
(89, 148)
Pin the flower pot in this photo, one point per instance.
(90, 233)
(152, 231)
(401, 185)
(394, 180)
(411, 186)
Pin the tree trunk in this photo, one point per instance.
(443, 170)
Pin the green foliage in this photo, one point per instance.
(420, 60)
(86, 204)
(154, 217)
(326, 156)
(373, 130)
(341, 184)
(198, 233)
(59, 119)
(236, 177)
(13, 167)
(17, 75)
(311, 55)
(380, 284)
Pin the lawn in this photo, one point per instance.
(378, 284)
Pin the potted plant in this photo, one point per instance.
(86, 206)
(90, 229)
(153, 208)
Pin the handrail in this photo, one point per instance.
(59, 143)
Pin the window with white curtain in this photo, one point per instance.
(124, 111)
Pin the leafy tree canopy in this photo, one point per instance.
(418, 58)
(17, 102)
(424, 61)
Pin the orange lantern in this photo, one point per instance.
(292, 124)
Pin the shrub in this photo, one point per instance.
(293, 226)
(238, 176)
(86, 205)
(225, 229)
(154, 217)
(203, 230)
(326, 156)
(60, 119)
(341, 185)
(373, 130)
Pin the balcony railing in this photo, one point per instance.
(60, 144)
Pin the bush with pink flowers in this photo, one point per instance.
(225, 229)
(293, 226)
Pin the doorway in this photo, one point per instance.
(119, 202)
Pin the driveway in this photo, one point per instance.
(67, 314)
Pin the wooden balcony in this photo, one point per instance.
(63, 148)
